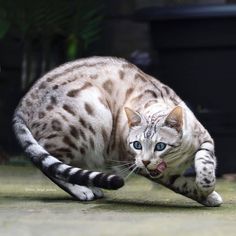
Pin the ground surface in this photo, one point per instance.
(31, 205)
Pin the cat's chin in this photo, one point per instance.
(154, 174)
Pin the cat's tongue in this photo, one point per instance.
(159, 169)
(161, 166)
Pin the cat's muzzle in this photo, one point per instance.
(160, 168)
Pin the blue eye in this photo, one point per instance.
(137, 145)
(160, 146)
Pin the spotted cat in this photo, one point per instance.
(85, 115)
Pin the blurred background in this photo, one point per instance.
(188, 44)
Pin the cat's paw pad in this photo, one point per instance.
(213, 200)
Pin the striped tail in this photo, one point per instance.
(55, 169)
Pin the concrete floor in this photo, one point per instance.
(31, 205)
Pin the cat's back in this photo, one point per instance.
(104, 72)
(91, 69)
(113, 77)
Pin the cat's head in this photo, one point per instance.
(155, 140)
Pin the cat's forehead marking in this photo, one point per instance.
(157, 117)
(150, 131)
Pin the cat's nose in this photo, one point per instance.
(146, 163)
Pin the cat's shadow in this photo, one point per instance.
(130, 205)
(118, 204)
(126, 205)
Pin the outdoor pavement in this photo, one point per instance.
(31, 205)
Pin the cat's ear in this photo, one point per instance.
(175, 119)
(134, 118)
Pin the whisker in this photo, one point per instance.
(119, 166)
(131, 173)
(123, 171)
(122, 165)
(117, 161)
(146, 171)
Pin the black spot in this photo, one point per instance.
(51, 136)
(207, 181)
(44, 127)
(41, 115)
(82, 134)
(49, 108)
(55, 87)
(69, 142)
(89, 109)
(73, 131)
(56, 125)
(83, 123)
(73, 93)
(42, 85)
(53, 100)
(173, 178)
(69, 109)
(82, 151)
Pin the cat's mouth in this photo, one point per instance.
(160, 168)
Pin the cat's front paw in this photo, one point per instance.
(213, 200)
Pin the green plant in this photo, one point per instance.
(77, 19)
(78, 22)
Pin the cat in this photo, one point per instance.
(99, 111)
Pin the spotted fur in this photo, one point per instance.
(91, 112)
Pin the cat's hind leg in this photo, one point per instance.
(79, 192)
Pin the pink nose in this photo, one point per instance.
(146, 163)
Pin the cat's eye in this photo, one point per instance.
(137, 145)
(160, 146)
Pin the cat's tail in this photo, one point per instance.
(56, 169)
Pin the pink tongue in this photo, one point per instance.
(161, 167)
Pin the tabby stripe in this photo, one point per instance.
(48, 160)
(138, 76)
(207, 150)
(157, 88)
(27, 144)
(101, 180)
(79, 178)
(151, 92)
(71, 68)
(53, 168)
(38, 160)
(208, 162)
(97, 179)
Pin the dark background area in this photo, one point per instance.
(189, 45)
